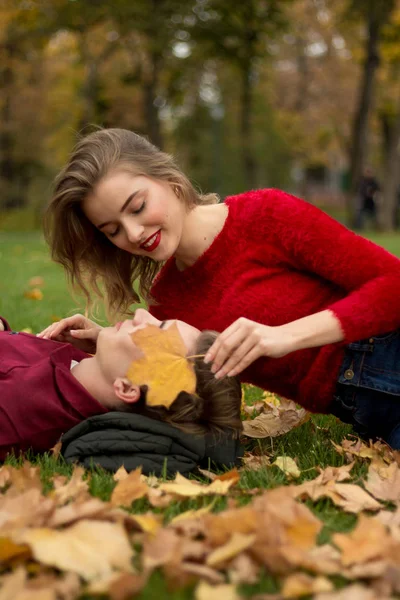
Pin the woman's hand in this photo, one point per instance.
(78, 330)
(243, 342)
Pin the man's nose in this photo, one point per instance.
(140, 317)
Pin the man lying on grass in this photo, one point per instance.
(47, 386)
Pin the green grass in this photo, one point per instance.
(23, 256)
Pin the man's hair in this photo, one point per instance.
(91, 261)
(214, 407)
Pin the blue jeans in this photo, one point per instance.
(367, 394)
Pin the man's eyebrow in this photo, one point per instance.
(123, 207)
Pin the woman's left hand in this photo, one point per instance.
(243, 342)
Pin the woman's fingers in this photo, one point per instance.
(220, 343)
(239, 354)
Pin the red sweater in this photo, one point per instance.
(278, 259)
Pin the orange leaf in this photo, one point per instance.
(163, 367)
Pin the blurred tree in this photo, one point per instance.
(374, 15)
(238, 34)
(389, 114)
(147, 29)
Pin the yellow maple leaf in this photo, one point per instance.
(164, 367)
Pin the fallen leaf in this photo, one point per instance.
(34, 294)
(287, 465)
(204, 591)
(88, 548)
(352, 498)
(13, 584)
(187, 488)
(129, 489)
(275, 420)
(164, 367)
(121, 474)
(75, 489)
(301, 584)
(36, 281)
(384, 483)
(118, 586)
(56, 449)
(254, 462)
(351, 592)
(234, 546)
(368, 541)
(191, 514)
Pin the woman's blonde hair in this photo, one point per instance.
(91, 261)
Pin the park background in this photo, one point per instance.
(296, 94)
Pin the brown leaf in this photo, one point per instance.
(384, 483)
(275, 420)
(13, 584)
(74, 511)
(75, 489)
(350, 497)
(34, 294)
(129, 488)
(9, 551)
(368, 541)
(254, 462)
(121, 474)
(27, 508)
(301, 584)
(204, 591)
(352, 592)
(81, 548)
(36, 281)
(56, 449)
(243, 569)
(232, 548)
(186, 488)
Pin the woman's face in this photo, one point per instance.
(140, 215)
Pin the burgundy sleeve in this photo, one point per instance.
(315, 242)
(6, 325)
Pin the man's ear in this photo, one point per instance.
(126, 391)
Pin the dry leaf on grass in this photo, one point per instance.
(75, 489)
(352, 498)
(287, 465)
(186, 488)
(89, 548)
(301, 584)
(129, 488)
(275, 420)
(369, 540)
(233, 547)
(164, 367)
(204, 591)
(118, 586)
(384, 483)
(352, 592)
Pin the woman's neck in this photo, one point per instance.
(200, 228)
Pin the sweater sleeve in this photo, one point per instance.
(315, 242)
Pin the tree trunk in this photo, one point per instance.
(7, 142)
(150, 86)
(387, 208)
(360, 123)
(249, 165)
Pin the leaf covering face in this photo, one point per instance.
(163, 367)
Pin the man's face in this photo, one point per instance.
(116, 350)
